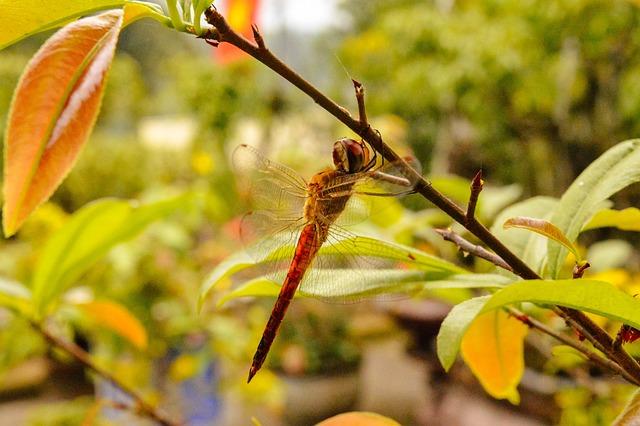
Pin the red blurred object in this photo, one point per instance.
(240, 14)
(629, 334)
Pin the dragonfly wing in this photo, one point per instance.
(349, 269)
(272, 255)
(271, 186)
(389, 179)
(270, 232)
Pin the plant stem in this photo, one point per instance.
(80, 355)
(595, 358)
(260, 52)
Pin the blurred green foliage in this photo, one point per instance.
(315, 340)
(506, 85)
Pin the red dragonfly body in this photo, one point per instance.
(325, 198)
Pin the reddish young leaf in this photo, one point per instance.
(53, 111)
(542, 227)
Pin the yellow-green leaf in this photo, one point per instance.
(492, 347)
(117, 318)
(22, 18)
(627, 219)
(53, 112)
(542, 227)
(134, 11)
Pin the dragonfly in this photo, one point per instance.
(310, 212)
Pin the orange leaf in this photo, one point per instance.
(542, 227)
(53, 112)
(358, 418)
(118, 319)
(492, 347)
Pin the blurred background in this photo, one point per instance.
(531, 91)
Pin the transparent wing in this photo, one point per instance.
(386, 181)
(278, 194)
(272, 186)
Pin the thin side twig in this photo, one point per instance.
(362, 110)
(474, 249)
(594, 333)
(80, 355)
(476, 187)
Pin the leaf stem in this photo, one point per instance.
(174, 14)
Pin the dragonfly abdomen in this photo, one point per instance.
(306, 249)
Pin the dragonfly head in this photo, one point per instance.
(350, 156)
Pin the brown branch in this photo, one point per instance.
(592, 356)
(476, 187)
(473, 249)
(592, 331)
(80, 355)
(578, 270)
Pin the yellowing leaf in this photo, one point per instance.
(627, 219)
(493, 349)
(542, 227)
(118, 319)
(53, 112)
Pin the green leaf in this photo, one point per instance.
(356, 245)
(614, 170)
(542, 227)
(20, 19)
(530, 247)
(593, 296)
(454, 327)
(14, 296)
(90, 233)
(136, 10)
(346, 284)
(627, 219)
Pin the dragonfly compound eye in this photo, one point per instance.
(348, 155)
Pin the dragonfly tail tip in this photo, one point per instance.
(252, 372)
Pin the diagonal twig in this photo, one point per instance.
(80, 355)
